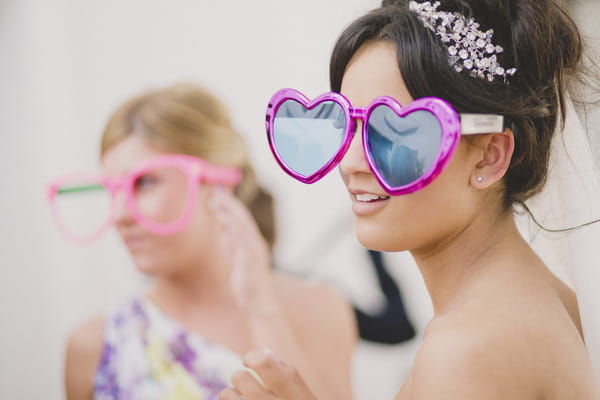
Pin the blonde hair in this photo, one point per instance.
(188, 119)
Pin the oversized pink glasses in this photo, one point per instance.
(84, 205)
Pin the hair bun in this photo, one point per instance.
(541, 39)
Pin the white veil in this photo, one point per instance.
(571, 197)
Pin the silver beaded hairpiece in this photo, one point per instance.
(468, 47)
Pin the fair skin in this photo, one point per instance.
(504, 326)
(214, 277)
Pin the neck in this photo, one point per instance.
(470, 256)
(201, 285)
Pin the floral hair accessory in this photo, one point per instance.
(469, 48)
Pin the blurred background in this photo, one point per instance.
(66, 64)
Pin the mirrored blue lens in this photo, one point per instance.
(403, 148)
(306, 140)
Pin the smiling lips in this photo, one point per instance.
(369, 197)
(134, 242)
(364, 203)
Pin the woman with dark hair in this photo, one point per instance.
(476, 89)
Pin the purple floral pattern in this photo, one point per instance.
(149, 356)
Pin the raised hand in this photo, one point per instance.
(277, 318)
(251, 274)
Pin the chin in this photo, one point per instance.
(145, 265)
(146, 270)
(375, 238)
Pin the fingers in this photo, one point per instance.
(246, 387)
(221, 204)
(249, 387)
(243, 246)
(231, 210)
(236, 221)
(230, 394)
(281, 379)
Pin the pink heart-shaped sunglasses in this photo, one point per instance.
(406, 147)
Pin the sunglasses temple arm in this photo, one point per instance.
(80, 189)
(473, 124)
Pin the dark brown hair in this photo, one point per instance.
(186, 118)
(540, 40)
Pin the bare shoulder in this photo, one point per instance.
(473, 356)
(321, 316)
(84, 348)
(324, 324)
(86, 340)
(313, 301)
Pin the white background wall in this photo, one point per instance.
(65, 65)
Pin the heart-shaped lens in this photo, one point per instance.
(307, 139)
(403, 149)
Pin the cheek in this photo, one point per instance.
(178, 251)
(423, 218)
(163, 205)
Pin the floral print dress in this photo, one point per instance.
(148, 356)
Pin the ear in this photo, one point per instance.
(495, 155)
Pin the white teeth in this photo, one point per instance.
(369, 197)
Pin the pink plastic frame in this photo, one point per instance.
(446, 115)
(196, 170)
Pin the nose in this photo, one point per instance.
(122, 214)
(354, 161)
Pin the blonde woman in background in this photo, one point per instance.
(214, 294)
